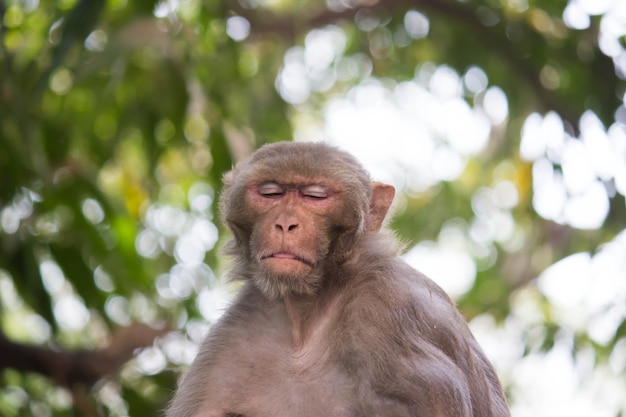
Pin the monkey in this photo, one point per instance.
(329, 320)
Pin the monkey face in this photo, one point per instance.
(292, 235)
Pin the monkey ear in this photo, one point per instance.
(382, 197)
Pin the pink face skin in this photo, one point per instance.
(290, 218)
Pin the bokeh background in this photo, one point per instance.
(501, 123)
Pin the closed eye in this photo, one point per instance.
(315, 191)
(270, 189)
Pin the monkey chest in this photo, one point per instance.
(266, 377)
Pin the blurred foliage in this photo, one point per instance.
(118, 118)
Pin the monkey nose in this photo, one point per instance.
(286, 226)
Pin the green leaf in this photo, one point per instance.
(78, 274)
(24, 267)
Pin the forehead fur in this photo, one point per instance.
(309, 160)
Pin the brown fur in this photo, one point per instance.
(343, 327)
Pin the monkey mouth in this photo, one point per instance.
(288, 256)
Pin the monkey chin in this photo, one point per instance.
(277, 277)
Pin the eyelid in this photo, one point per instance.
(315, 191)
(269, 189)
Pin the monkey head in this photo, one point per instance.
(296, 211)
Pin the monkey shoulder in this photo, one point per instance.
(387, 285)
(379, 268)
(395, 308)
(401, 331)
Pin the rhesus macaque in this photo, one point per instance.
(330, 320)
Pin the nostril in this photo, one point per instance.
(286, 223)
(288, 228)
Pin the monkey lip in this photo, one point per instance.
(288, 256)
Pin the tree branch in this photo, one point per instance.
(71, 368)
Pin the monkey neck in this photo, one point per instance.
(302, 313)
